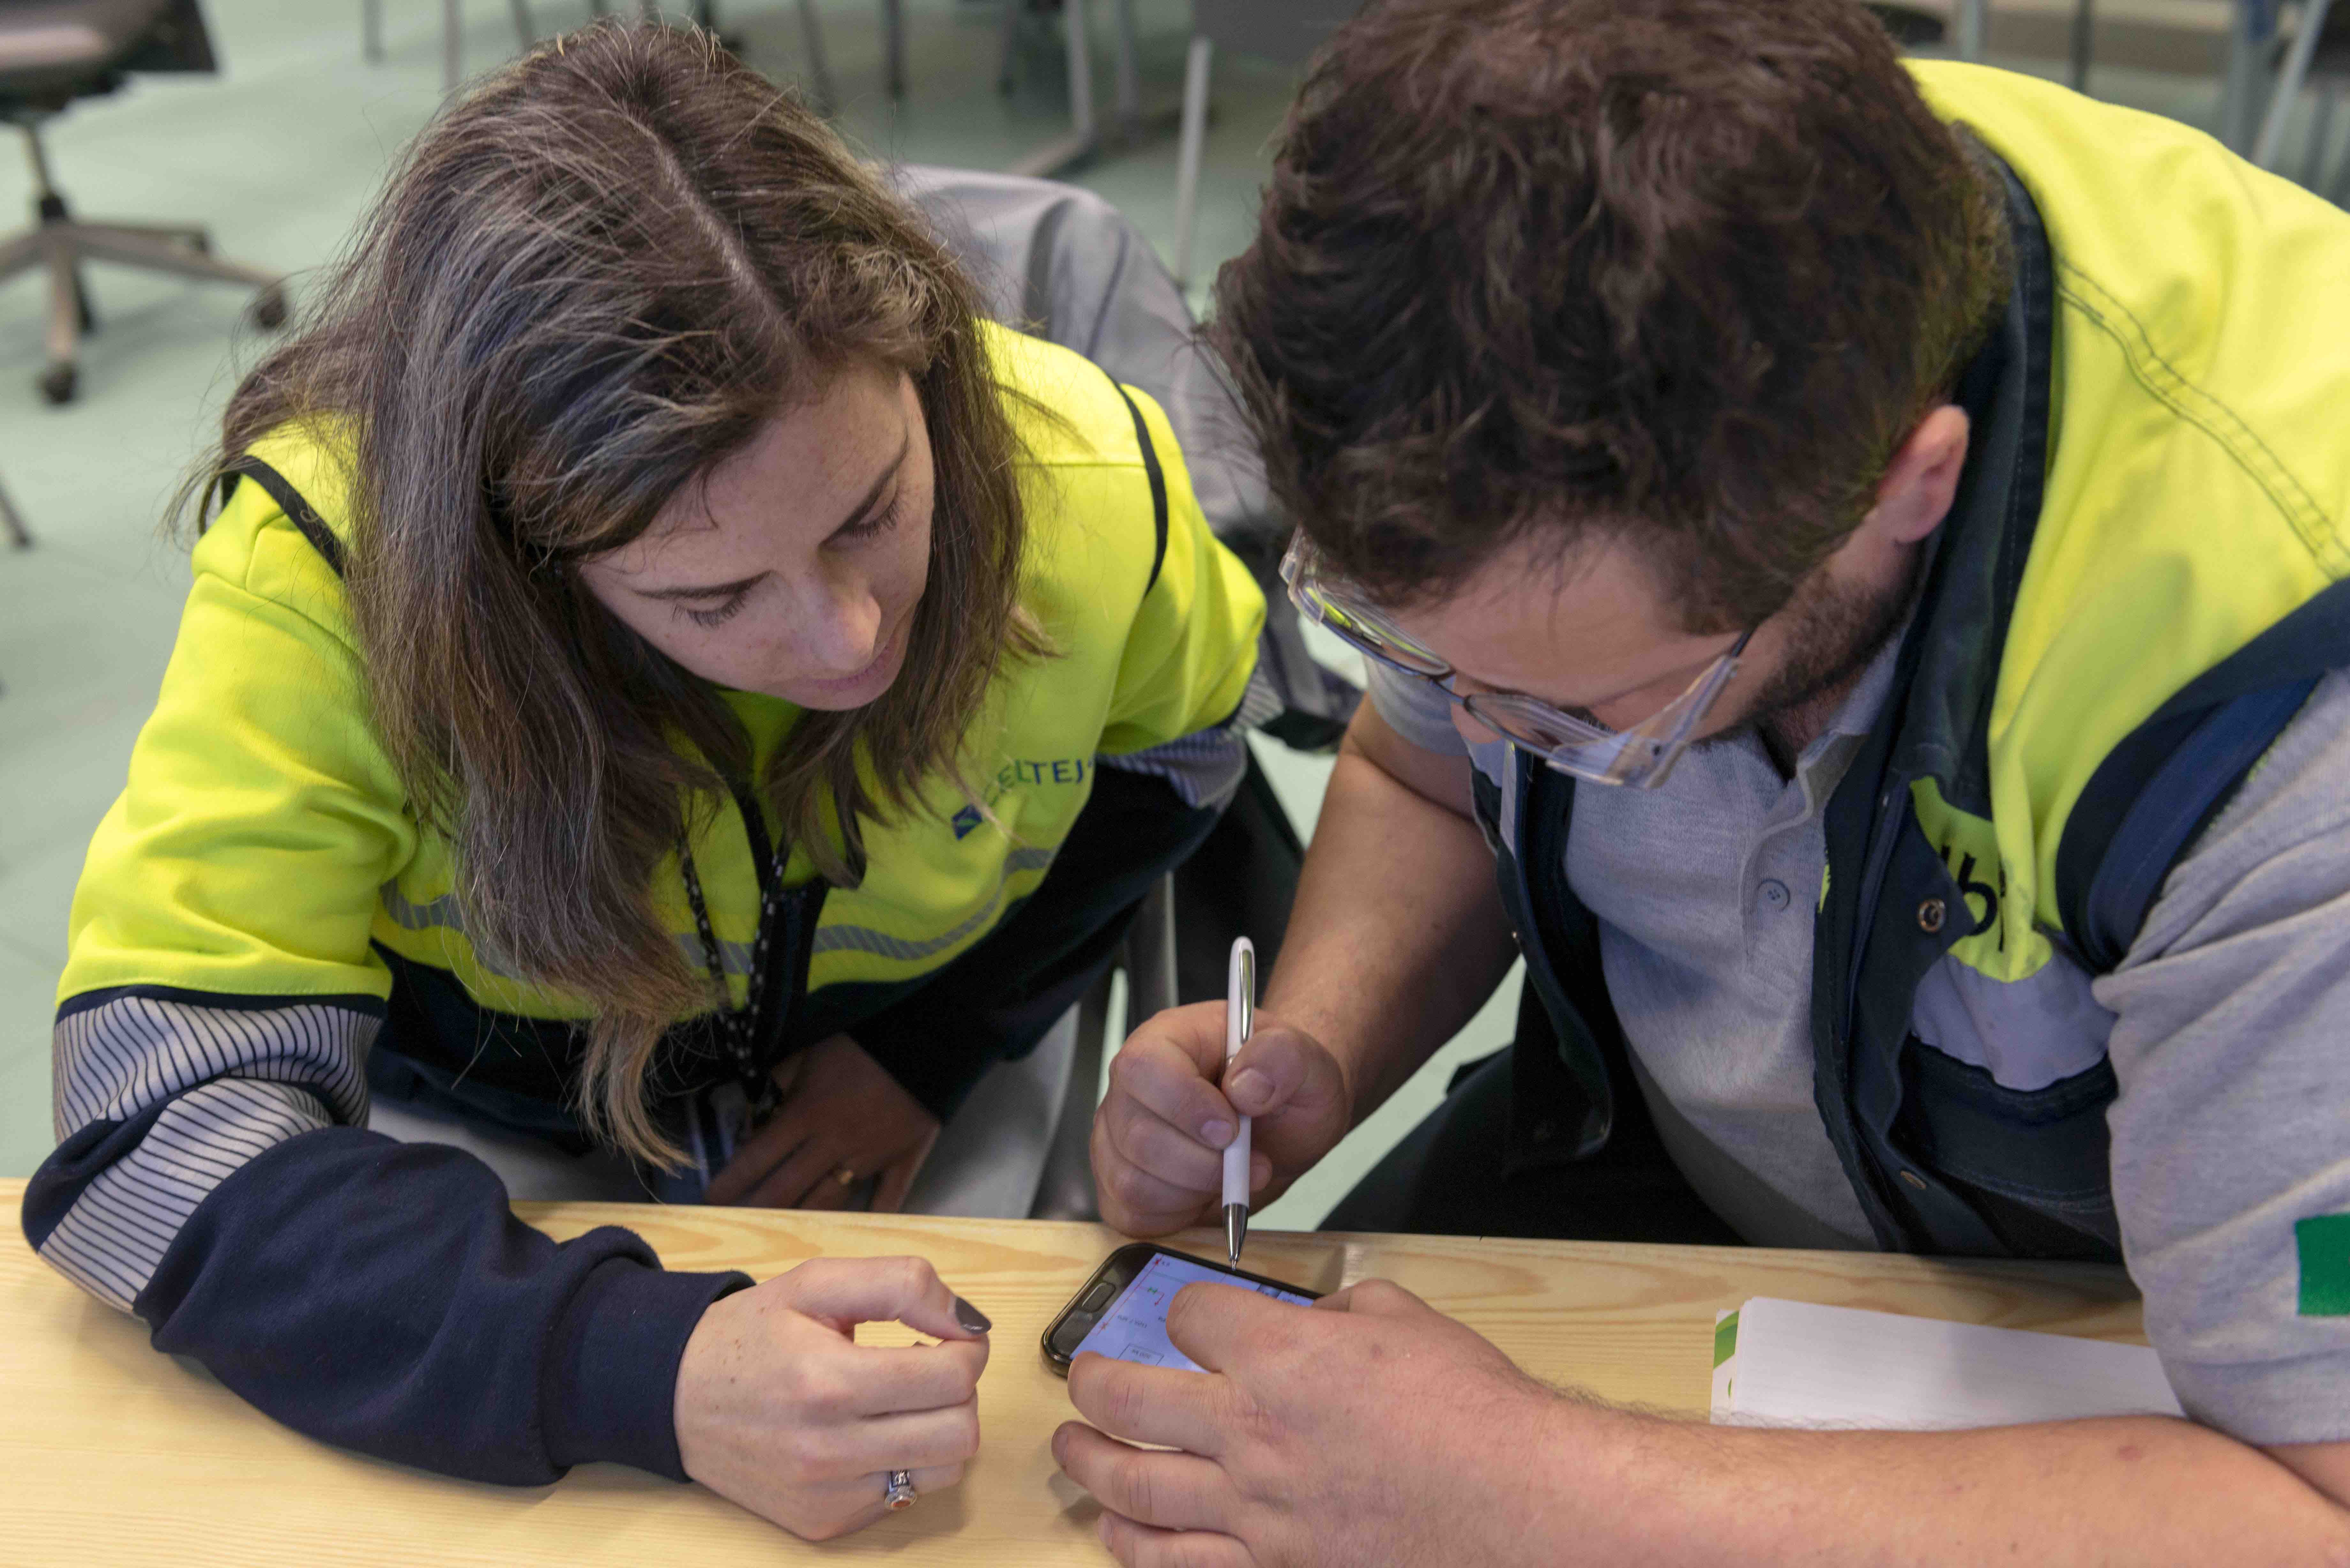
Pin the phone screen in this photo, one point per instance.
(1135, 1326)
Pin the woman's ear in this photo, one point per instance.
(1922, 480)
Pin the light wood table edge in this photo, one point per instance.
(106, 1441)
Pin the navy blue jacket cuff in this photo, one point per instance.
(612, 1366)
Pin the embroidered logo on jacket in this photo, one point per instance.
(1035, 771)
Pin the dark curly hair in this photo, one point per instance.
(1679, 272)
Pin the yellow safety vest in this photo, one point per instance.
(263, 846)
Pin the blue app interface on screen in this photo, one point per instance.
(1135, 1327)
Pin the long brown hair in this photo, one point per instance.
(587, 283)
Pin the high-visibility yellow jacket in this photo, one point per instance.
(261, 914)
(2141, 581)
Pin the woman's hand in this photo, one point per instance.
(841, 1110)
(779, 1410)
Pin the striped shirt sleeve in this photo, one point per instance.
(213, 1175)
(1204, 768)
(214, 1080)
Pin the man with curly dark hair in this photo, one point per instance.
(1860, 547)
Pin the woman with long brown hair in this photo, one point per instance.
(665, 677)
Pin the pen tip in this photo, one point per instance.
(1235, 1230)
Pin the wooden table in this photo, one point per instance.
(112, 1452)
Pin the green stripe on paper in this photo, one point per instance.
(1725, 1339)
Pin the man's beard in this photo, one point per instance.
(1834, 630)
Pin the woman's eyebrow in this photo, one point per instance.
(856, 515)
(864, 508)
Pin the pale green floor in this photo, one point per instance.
(279, 154)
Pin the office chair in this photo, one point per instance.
(52, 52)
(704, 14)
(12, 524)
(2318, 56)
(453, 35)
(1284, 34)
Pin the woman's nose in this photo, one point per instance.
(844, 634)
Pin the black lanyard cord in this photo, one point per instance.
(745, 1030)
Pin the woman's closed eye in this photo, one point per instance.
(725, 606)
(720, 614)
(872, 526)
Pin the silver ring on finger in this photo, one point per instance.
(899, 1492)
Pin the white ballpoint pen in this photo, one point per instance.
(1240, 1017)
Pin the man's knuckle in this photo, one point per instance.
(1131, 1483)
(1192, 1551)
(1232, 1409)
(1121, 1401)
(1185, 1552)
(1126, 1126)
(1130, 1184)
(1165, 1149)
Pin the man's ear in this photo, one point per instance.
(1922, 480)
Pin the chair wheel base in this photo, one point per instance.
(57, 383)
(268, 308)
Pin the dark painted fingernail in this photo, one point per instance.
(973, 1321)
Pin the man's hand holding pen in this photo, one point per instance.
(1174, 1103)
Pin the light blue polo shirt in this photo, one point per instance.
(2225, 1026)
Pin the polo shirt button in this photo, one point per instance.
(1931, 915)
(1774, 894)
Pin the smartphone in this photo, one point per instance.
(1121, 1312)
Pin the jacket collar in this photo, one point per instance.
(1949, 660)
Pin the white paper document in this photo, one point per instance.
(1789, 1363)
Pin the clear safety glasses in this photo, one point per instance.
(1638, 757)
